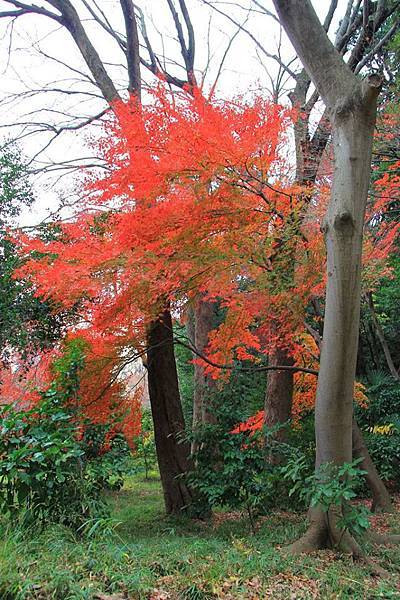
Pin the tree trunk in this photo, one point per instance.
(204, 321)
(353, 123)
(172, 453)
(381, 501)
(381, 337)
(352, 107)
(280, 384)
(279, 393)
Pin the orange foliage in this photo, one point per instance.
(198, 197)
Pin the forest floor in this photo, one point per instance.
(140, 554)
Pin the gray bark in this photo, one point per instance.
(352, 110)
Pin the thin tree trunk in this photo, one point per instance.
(280, 384)
(172, 452)
(204, 321)
(279, 394)
(381, 337)
(381, 501)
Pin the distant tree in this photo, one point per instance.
(27, 323)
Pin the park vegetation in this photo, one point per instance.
(245, 254)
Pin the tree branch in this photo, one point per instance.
(132, 47)
(25, 9)
(251, 369)
(72, 22)
(331, 76)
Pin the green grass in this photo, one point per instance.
(139, 553)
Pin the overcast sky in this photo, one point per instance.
(24, 68)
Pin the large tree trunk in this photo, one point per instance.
(352, 107)
(353, 122)
(172, 453)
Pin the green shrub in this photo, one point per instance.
(48, 473)
(230, 471)
(385, 452)
(384, 401)
(246, 471)
(107, 462)
(380, 422)
(333, 486)
(145, 458)
(41, 465)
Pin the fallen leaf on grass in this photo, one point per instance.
(297, 586)
(159, 595)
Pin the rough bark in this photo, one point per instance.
(132, 44)
(164, 395)
(352, 108)
(279, 393)
(381, 501)
(204, 316)
(172, 452)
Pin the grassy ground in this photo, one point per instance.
(139, 554)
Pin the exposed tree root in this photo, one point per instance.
(382, 538)
(315, 538)
(323, 532)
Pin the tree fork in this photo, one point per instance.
(352, 107)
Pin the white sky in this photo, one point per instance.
(24, 68)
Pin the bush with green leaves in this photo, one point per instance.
(41, 465)
(47, 471)
(230, 471)
(245, 471)
(380, 422)
(383, 393)
(107, 461)
(330, 486)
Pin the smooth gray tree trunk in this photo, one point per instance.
(352, 109)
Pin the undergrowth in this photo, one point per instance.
(140, 554)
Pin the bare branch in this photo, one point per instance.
(105, 24)
(72, 22)
(386, 38)
(25, 9)
(329, 15)
(252, 37)
(230, 367)
(266, 11)
(186, 51)
(132, 47)
(224, 56)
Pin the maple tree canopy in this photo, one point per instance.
(198, 196)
